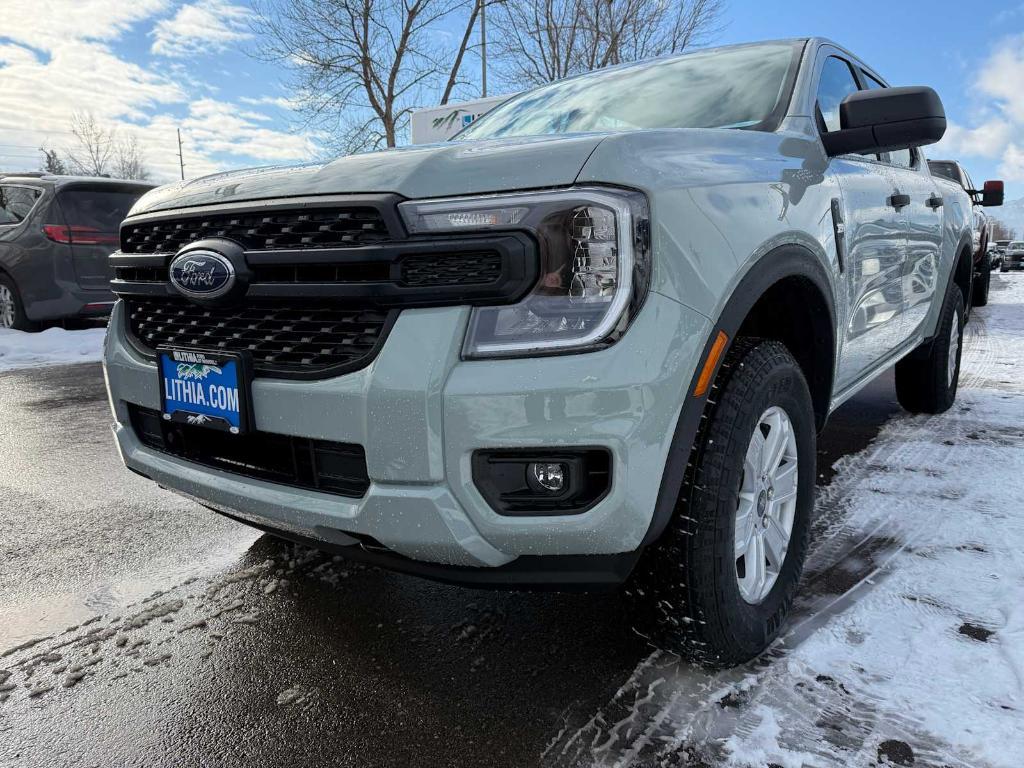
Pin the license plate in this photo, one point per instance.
(205, 389)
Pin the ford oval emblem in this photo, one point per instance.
(201, 274)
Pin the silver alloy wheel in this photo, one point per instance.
(954, 347)
(6, 307)
(767, 505)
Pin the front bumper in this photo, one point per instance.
(420, 412)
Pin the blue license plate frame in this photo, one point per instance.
(205, 388)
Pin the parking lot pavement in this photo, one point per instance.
(196, 641)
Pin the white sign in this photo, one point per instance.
(435, 124)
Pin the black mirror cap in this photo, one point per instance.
(886, 120)
(992, 194)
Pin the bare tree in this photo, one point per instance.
(91, 153)
(360, 66)
(1000, 231)
(52, 162)
(102, 151)
(129, 162)
(550, 39)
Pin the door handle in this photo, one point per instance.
(898, 200)
(934, 202)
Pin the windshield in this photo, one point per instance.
(719, 88)
(1018, 245)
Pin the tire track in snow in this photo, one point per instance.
(667, 707)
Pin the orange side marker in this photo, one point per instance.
(710, 364)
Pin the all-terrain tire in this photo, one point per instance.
(688, 579)
(979, 295)
(17, 320)
(927, 378)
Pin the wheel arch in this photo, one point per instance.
(962, 273)
(791, 277)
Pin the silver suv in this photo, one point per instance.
(588, 342)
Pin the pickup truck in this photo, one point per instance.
(588, 343)
(1013, 258)
(981, 224)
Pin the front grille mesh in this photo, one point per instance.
(321, 465)
(325, 228)
(282, 337)
(451, 269)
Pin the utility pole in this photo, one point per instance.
(181, 158)
(483, 46)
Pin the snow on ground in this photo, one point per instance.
(934, 653)
(906, 646)
(53, 346)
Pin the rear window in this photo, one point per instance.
(946, 170)
(100, 209)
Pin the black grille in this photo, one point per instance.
(324, 228)
(321, 465)
(451, 269)
(419, 271)
(294, 337)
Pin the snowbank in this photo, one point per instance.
(53, 346)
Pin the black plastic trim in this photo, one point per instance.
(277, 372)
(302, 459)
(519, 272)
(385, 204)
(587, 465)
(785, 261)
(550, 573)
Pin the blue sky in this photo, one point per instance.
(151, 66)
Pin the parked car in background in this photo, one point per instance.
(56, 236)
(589, 341)
(1014, 256)
(995, 254)
(981, 226)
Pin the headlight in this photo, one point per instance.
(594, 266)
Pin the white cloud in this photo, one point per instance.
(68, 59)
(47, 25)
(1012, 166)
(204, 27)
(987, 140)
(1002, 77)
(281, 102)
(998, 93)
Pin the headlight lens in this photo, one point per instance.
(594, 268)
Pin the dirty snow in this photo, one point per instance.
(906, 646)
(54, 346)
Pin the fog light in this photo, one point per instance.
(550, 477)
(528, 481)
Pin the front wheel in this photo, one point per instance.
(927, 378)
(722, 578)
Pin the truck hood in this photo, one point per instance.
(436, 170)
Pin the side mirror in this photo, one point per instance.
(992, 194)
(887, 119)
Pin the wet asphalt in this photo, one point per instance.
(168, 635)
